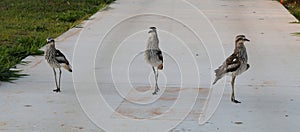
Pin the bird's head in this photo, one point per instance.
(152, 29)
(50, 40)
(50, 43)
(241, 38)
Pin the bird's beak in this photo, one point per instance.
(246, 40)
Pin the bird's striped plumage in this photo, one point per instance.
(56, 59)
(154, 58)
(153, 54)
(235, 64)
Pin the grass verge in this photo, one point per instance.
(296, 33)
(293, 6)
(25, 24)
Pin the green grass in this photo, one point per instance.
(25, 24)
(293, 6)
(295, 22)
(296, 33)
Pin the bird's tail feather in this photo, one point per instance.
(219, 74)
(68, 67)
(216, 79)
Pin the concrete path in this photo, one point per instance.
(110, 88)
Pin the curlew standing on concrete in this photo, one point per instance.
(235, 64)
(153, 55)
(56, 59)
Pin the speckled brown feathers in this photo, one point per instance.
(235, 64)
(153, 55)
(56, 60)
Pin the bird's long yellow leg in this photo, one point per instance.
(232, 94)
(55, 79)
(57, 85)
(156, 76)
(59, 79)
(157, 89)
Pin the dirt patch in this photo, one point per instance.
(268, 83)
(156, 111)
(3, 123)
(238, 122)
(27, 105)
(167, 98)
(79, 127)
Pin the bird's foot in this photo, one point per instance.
(155, 91)
(56, 90)
(235, 101)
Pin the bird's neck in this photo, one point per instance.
(239, 45)
(51, 45)
(153, 41)
(240, 50)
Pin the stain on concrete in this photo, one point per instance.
(3, 123)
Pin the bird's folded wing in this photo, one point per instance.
(154, 53)
(159, 54)
(60, 58)
(232, 63)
